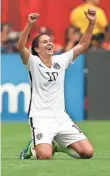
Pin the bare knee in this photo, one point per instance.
(86, 154)
(44, 156)
(83, 148)
(43, 152)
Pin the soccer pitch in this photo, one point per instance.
(16, 135)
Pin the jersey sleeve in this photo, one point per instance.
(31, 62)
(66, 58)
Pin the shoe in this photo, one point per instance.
(26, 153)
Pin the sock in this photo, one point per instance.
(33, 152)
(72, 153)
(68, 151)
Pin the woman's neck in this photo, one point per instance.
(47, 60)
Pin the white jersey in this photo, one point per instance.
(47, 85)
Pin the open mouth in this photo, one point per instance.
(49, 48)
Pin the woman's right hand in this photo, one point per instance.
(32, 17)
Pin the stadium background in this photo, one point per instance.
(87, 96)
(54, 13)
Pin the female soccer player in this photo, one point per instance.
(47, 117)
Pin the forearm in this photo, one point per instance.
(24, 36)
(86, 38)
(84, 42)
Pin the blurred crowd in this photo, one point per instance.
(73, 33)
(9, 39)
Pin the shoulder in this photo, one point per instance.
(64, 57)
(34, 58)
(99, 10)
(56, 57)
(76, 12)
(77, 9)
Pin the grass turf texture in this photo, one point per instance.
(16, 135)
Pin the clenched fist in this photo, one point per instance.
(91, 15)
(33, 17)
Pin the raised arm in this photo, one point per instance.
(86, 38)
(21, 46)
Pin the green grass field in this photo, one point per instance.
(16, 135)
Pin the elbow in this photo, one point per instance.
(85, 47)
(19, 46)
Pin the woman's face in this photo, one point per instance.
(70, 33)
(96, 2)
(45, 46)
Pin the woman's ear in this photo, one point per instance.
(36, 49)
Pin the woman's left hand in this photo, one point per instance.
(91, 15)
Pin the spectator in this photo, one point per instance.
(106, 43)
(72, 37)
(5, 29)
(8, 39)
(78, 19)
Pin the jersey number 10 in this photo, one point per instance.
(52, 76)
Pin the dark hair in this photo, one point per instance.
(107, 29)
(4, 24)
(76, 29)
(35, 43)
